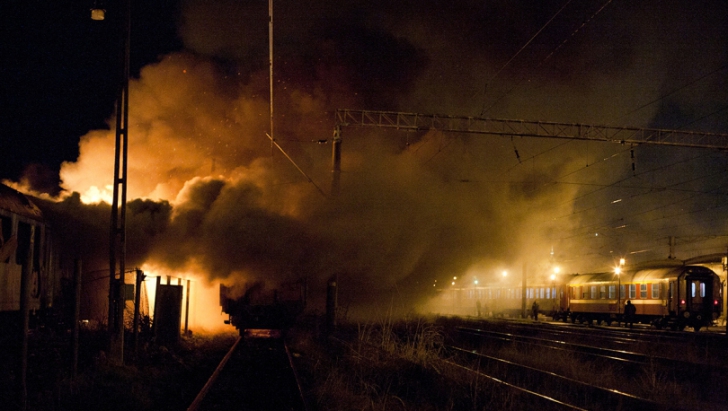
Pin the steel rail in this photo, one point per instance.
(295, 376)
(211, 381)
(625, 399)
(608, 353)
(516, 388)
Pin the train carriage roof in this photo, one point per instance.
(15, 202)
(580, 279)
(645, 275)
(653, 274)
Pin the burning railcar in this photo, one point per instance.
(259, 311)
(28, 278)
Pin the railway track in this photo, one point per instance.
(704, 348)
(256, 374)
(624, 355)
(554, 390)
(704, 381)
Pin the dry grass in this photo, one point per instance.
(398, 365)
(391, 365)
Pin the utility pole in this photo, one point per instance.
(336, 161)
(270, 69)
(117, 243)
(524, 290)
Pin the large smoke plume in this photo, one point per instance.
(211, 195)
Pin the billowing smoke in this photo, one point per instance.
(211, 195)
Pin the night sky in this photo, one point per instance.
(58, 65)
(414, 206)
(59, 76)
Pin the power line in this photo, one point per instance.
(548, 57)
(521, 49)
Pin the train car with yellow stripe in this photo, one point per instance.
(665, 295)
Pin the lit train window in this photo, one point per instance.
(593, 292)
(643, 291)
(548, 293)
(656, 291)
(602, 292)
(632, 291)
(541, 292)
(621, 291)
(612, 291)
(695, 285)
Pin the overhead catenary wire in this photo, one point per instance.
(275, 143)
(548, 57)
(521, 49)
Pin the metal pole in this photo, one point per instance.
(137, 299)
(187, 308)
(156, 303)
(619, 271)
(27, 271)
(117, 246)
(336, 161)
(331, 303)
(270, 66)
(523, 286)
(76, 316)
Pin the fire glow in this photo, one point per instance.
(201, 313)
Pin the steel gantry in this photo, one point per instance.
(515, 128)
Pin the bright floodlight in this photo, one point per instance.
(621, 262)
(556, 270)
(475, 282)
(553, 277)
(618, 270)
(505, 273)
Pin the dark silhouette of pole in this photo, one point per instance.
(76, 316)
(27, 271)
(137, 299)
(524, 293)
(187, 308)
(117, 246)
(331, 303)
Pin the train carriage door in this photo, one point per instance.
(699, 292)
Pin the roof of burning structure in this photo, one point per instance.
(15, 202)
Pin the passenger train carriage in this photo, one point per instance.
(665, 294)
(24, 251)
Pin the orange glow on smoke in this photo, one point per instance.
(205, 313)
(179, 129)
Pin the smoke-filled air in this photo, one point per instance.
(210, 197)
